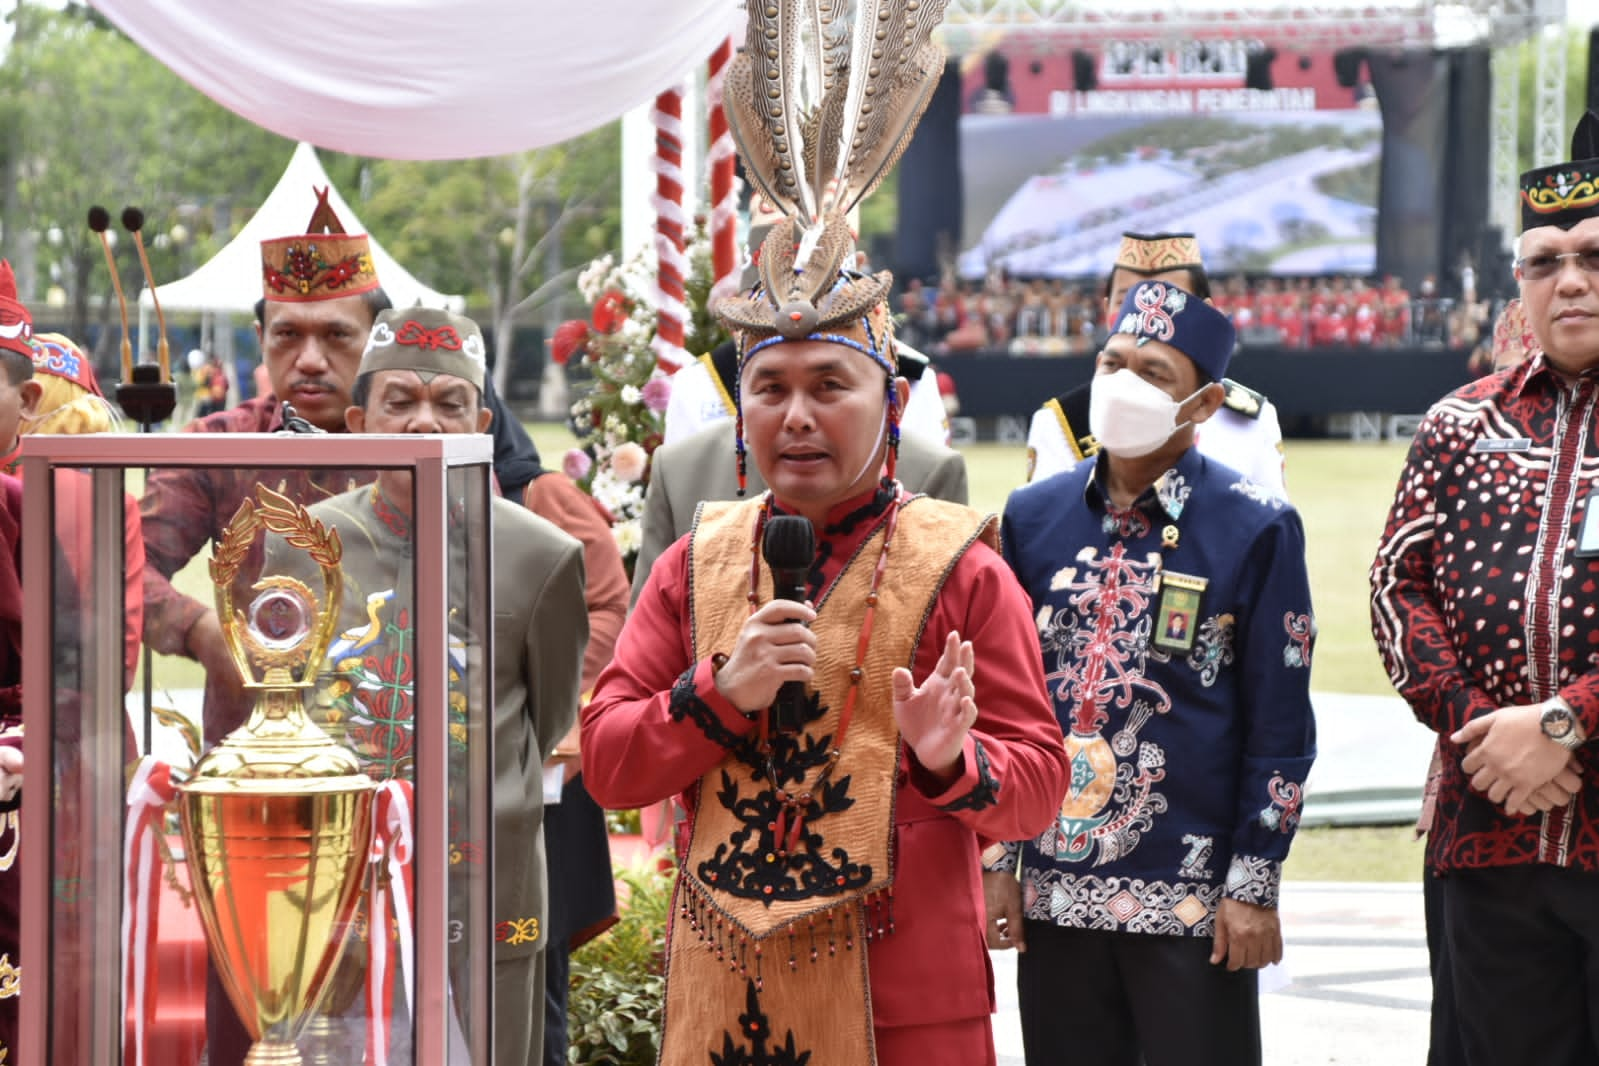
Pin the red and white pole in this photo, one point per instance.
(670, 218)
(724, 185)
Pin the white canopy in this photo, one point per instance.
(231, 279)
(428, 79)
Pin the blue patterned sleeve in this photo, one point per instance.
(1277, 638)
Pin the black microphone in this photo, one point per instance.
(788, 548)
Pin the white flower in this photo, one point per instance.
(631, 395)
(629, 536)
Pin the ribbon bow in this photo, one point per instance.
(415, 333)
(391, 842)
(151, 790)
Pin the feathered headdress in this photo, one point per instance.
(821, 104)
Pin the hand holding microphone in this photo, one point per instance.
(771, 664)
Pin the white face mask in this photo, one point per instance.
(1129, 416)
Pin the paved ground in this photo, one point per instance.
(1356, 990)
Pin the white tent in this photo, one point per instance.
(231, 279)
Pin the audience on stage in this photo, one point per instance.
(1049, 317)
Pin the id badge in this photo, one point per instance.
(1588, 532)
(1177, 611)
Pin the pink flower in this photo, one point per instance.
(656, 393)
(629, 461)
(576, 464)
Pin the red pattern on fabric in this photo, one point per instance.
(1478, 601)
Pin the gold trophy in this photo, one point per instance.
(277, 819)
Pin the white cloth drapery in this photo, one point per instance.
(428, 79)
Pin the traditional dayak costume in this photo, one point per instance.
(1177, 636)
(828, 908)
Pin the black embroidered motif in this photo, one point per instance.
(755, 1028)
(686, 704)
(776, 854)
(983, 794)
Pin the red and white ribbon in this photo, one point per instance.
(392, 843)
(149, 795)
(671, 322)
(724, 180)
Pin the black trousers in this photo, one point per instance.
(1093, 998)
(1443, 1046)
(1524, 954)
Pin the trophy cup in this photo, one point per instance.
(277, 819)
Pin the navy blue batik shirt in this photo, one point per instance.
(1176, 638)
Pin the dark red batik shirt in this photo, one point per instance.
(1481, 598)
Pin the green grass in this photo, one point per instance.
(1368, 853)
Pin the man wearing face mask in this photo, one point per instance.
(1173, 612)
(1244, 433)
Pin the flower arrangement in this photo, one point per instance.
(620, 419)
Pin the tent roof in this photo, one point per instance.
(231, 279)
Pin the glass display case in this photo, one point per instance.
(275, 839)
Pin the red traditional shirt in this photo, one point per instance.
(1481, 598)
(641, 744)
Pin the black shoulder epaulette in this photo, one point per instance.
(1243, 399)
(1071, 411)
(912, 363)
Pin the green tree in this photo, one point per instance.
(93, 119)
(511, 231)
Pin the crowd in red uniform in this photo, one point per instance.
(1055, 317)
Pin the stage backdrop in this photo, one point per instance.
(1064, 151)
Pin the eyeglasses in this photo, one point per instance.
(1542, 267)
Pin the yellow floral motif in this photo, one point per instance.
(518, 931)
(10, 978)
(10, 826)
(1561, 192)
(458, 732)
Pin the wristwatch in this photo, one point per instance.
(1559, 723)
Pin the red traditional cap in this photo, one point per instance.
(323, 264)
(57, 355)
(16, 325)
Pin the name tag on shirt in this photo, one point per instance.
(1502, 444)
(1177, 611)
(1588, 534)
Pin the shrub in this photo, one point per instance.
(619, 979)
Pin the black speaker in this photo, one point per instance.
(1257, 69)
(996, 73)
(1085, 76)
(1593, 69)
(1346, 65)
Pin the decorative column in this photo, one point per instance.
(670, 218)
(724, 185)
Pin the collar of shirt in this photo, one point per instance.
(848, 525)
(1538, 369)
(1166, 496)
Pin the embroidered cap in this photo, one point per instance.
(16, 324)
(324, 263)
(1156, 253)
(426, 340)
(1566, 193)
(1158, 311)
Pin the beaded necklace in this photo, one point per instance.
(793, 805)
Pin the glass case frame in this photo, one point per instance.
(441, 467)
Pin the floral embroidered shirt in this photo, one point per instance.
(1188, 768)
(1482, 597)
